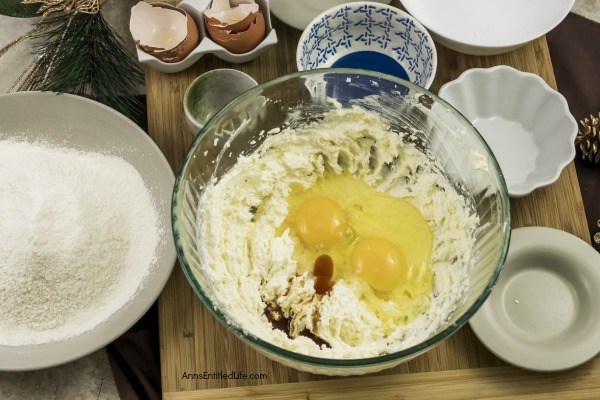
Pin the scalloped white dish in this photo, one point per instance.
(525, 122)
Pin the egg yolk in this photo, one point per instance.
(379, 262)
(320, 222)
(380, 245)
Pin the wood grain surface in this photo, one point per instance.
(467, 384)
(193, 341)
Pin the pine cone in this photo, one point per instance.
(588, 139)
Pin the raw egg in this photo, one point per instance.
(380, 262)
(380, 242)
(320, 222)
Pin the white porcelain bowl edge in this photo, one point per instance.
(298, 14)
(488, 27)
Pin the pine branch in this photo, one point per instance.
(14, 8)
(81, 54)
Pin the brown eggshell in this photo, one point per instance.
(183, 49)
(237, 27)
(238, 41)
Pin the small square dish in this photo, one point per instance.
(525, 122)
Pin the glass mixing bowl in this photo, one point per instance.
(303, 97)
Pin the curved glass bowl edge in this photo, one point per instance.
(327, 362)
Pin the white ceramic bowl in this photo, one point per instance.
(78, 123)
(298, 14)
(488, 27)
(369, 36)
(526, 123)
(195, 8)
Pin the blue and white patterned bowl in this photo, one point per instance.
(369, 36)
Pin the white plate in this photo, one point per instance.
(79, 123)
(543, 314)
(298, 13)
(490, 26)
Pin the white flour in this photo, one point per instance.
(78, 232)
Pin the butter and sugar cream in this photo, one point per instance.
(250, 267)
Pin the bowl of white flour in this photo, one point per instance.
(85, 247)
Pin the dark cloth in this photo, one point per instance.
(575, 52)
(135, 360)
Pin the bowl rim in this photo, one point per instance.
(408, 5)
(556, 167)
(306, 33)
(280, 352)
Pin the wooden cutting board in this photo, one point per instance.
(193, 341)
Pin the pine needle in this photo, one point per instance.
(81, 54)
(14, 8)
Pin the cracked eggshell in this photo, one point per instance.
(228, 12)
(238, 38)
(162, 34)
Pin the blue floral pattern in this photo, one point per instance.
(370, 27)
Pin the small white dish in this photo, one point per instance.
(371, 36)
(543, 313)
(78, 123)
(195, 8)
(525, 122)
(488, 27)
(298, 14)
(210, 92)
